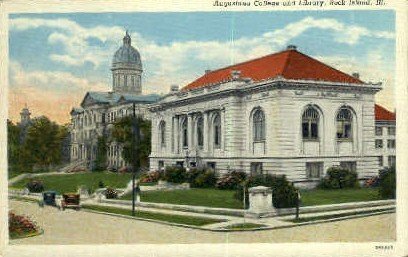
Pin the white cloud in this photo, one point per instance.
(374, 68)
(181, 62)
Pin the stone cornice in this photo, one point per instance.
(241, 88)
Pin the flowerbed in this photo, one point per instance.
(21, 226)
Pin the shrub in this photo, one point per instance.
(111, 193)
(231, 180)
(338, 178)
(284, 194)
(101, 184)
(372, 182)
(206, 179)
(192, 175)
(151, 177)
(175, 174)
(21, 226)
(387, 183)
(35, 186)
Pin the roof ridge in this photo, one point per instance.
(329, 66)
(248, 61)
(286, 63)
(382, 107)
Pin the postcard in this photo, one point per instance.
(209, 128)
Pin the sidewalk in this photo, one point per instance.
(268, 223)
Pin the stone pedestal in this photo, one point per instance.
(83, 192)
(260, 202)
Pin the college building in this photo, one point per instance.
(285, 113)
(98, 111)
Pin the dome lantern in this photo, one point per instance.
(127, 68)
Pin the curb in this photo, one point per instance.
(391, 210)
(144, 219)
(243, 230)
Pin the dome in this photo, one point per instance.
(127, 54)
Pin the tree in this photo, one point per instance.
(101, 150)
(387, 179)
(13, 147)
(43, 143)
(133, 149)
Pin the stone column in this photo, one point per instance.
(176, 134)
(260, 202)
(205, 131)
(190, 131)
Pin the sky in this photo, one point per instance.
(56, 58)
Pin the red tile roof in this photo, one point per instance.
(383, 114)
(290, 64)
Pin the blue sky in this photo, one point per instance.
(61, 56)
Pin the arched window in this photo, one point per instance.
(162, 129)
(259, 125)
(310, 123)
(217, 131)
(200, 132)
(184, 133)
(344, 123)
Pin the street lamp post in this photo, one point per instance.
(135, 157)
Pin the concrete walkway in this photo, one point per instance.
(79, 227)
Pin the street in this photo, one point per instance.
(80, 227)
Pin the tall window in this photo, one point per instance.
(378, 131)
(391, 161)
(217, 131)
(162, 128)
(391, 143)
(391, 131)
(310, 123)
(351, 166)
(200, 132)
(314, 169)
(344, 124)
(184, 132)
(259, 125)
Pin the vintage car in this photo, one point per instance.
(70, 200)
(48, 198)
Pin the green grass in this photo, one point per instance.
(24, 199)
(321, 196)
(14, 235)
(225, 198)
(71, 182)
(333, 216)
(179, 219)
(208, 197)
(244, 226)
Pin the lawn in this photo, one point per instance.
(244, 226)
(195, 196)
(321, 197)
(334, 216)
(71, 182)
(179, 219)
(225, 198)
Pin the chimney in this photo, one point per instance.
(174, 88)
(291, 47)
(356, 75)
(235, 74)
(207, 71)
